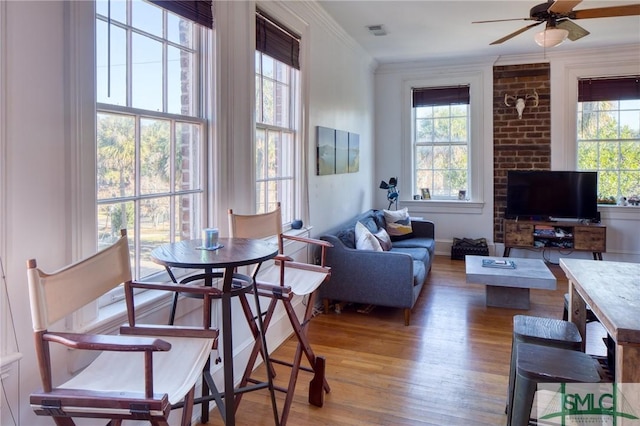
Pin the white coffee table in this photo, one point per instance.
(509, 288)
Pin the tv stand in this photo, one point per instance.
(560, 235)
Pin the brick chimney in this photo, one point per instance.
(518, 143)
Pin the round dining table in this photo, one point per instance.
(221, 262)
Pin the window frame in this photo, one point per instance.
(617, 142)
(416, 144)
(290, 201)
(593, 95)
(566, 74)
(480, 83)
(202, 47)
(6, 341)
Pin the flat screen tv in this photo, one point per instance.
(548, 195)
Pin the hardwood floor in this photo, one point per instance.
(449, 367)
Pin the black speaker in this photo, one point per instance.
(597, 219)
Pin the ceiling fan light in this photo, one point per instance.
(551, 37)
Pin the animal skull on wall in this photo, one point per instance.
(520, 102)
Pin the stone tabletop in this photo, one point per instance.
(528, 273)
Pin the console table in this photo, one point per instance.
(555, 235)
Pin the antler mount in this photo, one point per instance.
(520, 102)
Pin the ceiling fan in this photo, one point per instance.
(558, 16)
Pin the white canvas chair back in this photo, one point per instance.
(57, 295)
(301, 277)
(257, 226)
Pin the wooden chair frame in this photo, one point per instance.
(270, 225)
(55, 296)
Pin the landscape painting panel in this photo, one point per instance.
(342, 151)
(354, 152)
(326, 151)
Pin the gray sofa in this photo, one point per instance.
(385, 278)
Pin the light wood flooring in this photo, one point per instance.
(449, 367)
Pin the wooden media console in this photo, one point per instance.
(555, 235)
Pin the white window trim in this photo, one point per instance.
(480, 101)
(564, 137)
(288, 17)
(8, 352)
(81, 17)
(293, 128)
(449, 143)
(3, 130)
(565, 74)
(80, 81)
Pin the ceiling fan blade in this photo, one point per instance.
(606, 12)
(515, 33)
(563, 6)
(575, 30)
(501, 20)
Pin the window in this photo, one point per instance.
(277, 115)
(440, 139)
(609, 134)
(151, 127)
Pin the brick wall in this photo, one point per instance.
(524, 143)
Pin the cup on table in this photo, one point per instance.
(210, 238)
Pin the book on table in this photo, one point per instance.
(499, 263)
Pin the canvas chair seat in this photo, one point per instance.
(301, 281)
(185, 360)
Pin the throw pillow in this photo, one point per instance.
(398, 223)
(370, 224)
(384, 239)
(348, 237)
(365, 239)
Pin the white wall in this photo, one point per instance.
(340, 87)
(36, 214)
(40, 205)
(475, 219)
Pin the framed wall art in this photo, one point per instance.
(337, 151)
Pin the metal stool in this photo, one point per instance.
(543, 364)
(541, 331)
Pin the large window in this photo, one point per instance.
(151, 127)
(277, 115)
(440, 137)
(609, 135)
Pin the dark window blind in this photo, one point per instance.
(608, 89)
(277, 41)
(198, 11)
(436, 96)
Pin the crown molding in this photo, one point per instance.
(602, 54)
(312, 12)
(447, 66)
(598, 54)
